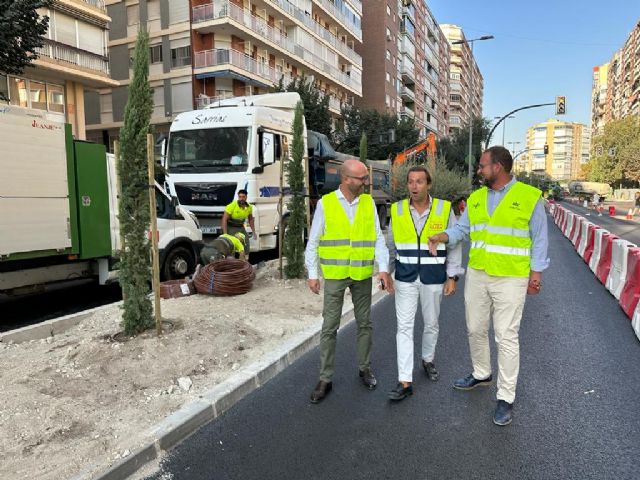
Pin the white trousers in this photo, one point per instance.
(407, 296)
(503, 298)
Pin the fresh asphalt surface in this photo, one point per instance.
(627, 229)
(577, 413)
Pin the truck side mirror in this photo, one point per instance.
(258, 169)
(260, 150)
(174, 205)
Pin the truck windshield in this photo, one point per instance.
(209, 150)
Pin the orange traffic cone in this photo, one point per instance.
(630, 214)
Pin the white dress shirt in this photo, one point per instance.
(454, 253)
(317, 230)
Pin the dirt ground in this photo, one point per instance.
(80, 398)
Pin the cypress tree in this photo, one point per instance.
(363, 148)
(293, 240)
(135, 262)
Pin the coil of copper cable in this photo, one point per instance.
(225, 278)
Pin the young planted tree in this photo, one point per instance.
(316, 105)
(363, 148)
(21, 34)
(135, 263)
(294, 240)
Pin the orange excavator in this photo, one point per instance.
(428, 146)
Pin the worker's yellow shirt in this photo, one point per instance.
(238, 213)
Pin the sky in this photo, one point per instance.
(542, 49)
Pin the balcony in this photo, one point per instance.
(351, 27)
(71, 56)
(407, 70)
(229, 12)
(233, 59)
(407, 95)
(407, 112)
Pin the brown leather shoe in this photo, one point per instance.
(322, 390)
(368, 379)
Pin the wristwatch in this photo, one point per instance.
(455, 278)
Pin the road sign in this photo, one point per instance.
(561, 107)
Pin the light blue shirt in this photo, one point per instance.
(317, 230)
(537, 227)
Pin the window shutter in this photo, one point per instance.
(178, 11)
(91, 38)
(65, 27)
(181, 97)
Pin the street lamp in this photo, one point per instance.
(513, 148)
(504, 125)
(471, 42)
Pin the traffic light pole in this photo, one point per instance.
(511, 113)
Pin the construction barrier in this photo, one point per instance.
(584, 234)
(576, 231)
(604, 264)
(597, 245)
(569, 223)
(635, 321)
(631, 290)
(618, 272)
(590, 244)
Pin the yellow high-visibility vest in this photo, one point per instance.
(501, 243)
(412, 247)
(347, 250)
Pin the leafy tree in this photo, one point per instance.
(376, 126)
(135, 266)
(21, 33)
(294, 234)
(455, 147)
(363, 148)
(615, 155)
(316, 105)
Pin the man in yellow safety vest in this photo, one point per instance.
(420, 276)
(507, 225)
(345, 239)
(234, 217)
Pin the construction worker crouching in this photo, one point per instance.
(224, 246)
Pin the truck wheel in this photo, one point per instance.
(382, 215)
(178, 264)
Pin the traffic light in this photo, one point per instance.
(546, 149)
(561, 108)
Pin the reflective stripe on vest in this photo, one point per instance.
(347, 250)
(413, 258)
(501, 243)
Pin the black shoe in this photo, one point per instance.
(400, 392)
(503, 414)
(322, 390)
(430, 370)
(470, 382)
(368, 379)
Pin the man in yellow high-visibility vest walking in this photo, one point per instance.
(345, 239)
(507, 225)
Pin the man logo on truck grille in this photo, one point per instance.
(86, 201)
(203, 196)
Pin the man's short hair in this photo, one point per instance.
(502, 156)
(242, 192)
(420, 168)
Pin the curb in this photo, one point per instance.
(217, 400)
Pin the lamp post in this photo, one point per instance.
(470, 102)
(504, 125)
(513, 148)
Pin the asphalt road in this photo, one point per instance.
(627, 229)
(576, 412)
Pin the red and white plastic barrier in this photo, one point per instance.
(590, 243)
(604, 264)
(618, 272)
(584, 234)
(576, 231)
(569, 224)
(631, 290)
(635, 321)
(597, 246)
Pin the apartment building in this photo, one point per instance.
(248, 47)
(406, 58)
(599, 99)
(72, 61)
(568, 149)
(466, 85)
(203, 50)
(170, 72)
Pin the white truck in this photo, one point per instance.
(236, 143)
(58, 209)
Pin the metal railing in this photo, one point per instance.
(356, 30)
(95, 3)
(224, 9)
(75, 56)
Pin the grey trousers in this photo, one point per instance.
(332, 312)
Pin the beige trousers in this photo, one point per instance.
(502, 298)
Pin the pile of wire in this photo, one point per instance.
(225, 278)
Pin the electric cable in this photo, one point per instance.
(225, 278)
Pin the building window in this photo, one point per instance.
(56, 98)
(388, 55)
(156, 54)
(37, 95)
(388, 10)
(387, 100)
(388, 77)
(133, 15)
(181, 57)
